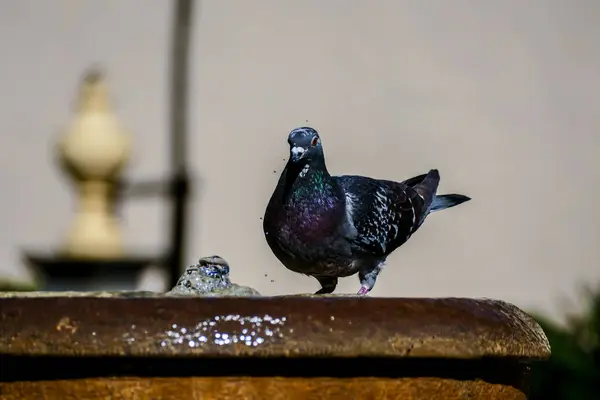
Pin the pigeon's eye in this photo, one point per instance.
(314, 141)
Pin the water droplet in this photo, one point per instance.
(225, 330)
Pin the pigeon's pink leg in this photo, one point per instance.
(368, 276)
(363, 291)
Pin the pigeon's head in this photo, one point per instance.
(305, 145)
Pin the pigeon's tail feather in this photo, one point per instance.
(414, 181)
(427, 186)
(444, 201)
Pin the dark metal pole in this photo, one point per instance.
(180, 48)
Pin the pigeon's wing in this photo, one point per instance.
(384, 213)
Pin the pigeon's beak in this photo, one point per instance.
(297, 153)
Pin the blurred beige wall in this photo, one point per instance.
(503, 96)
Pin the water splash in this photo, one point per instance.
(210, 274)
(209, 277)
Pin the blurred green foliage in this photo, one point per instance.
(573, 372)
(8, 285)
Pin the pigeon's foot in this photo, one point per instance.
(368, 276)
(363, 291)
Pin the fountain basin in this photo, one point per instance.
(145, 345)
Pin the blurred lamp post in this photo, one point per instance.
(93, 151)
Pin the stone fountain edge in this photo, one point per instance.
(156, 324)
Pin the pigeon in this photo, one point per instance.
(330, 227)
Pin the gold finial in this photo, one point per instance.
(94, 93)
(93, 151)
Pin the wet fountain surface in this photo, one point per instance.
(210, 338)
